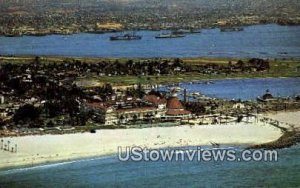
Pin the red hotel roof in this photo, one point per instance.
(155, 99)
(174, 103)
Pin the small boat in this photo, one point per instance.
(231, 29)
(195, 31)
(126, 37)
(169, 35)
(12, 35)
(208, 82)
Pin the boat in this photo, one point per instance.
(231, 29)
(181, 31)
(208, 82)
(12, 35)
(169, 35)
(195, 31)
(126, 37)
(185, 31)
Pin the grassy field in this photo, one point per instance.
(282, 68)
(279, 68)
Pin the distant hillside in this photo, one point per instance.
(44, 16)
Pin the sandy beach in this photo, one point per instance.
(290, 118)
(32, 150)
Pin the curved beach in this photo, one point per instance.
(33, 150)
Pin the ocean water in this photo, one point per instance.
(264, 41)
(246, 89)
(110, 172)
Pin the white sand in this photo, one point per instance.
(286, 117)
(50, 148)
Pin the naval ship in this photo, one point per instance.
(169, 35)
(126, 36)
(231, 29)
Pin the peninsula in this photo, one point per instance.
(83, 103)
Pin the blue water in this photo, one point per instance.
(255, 41)
(246, 89)
(109, 172)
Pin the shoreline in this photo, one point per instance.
(100, 32)
(45, 149)
(99, 157)
(289, 122)
(189, 60)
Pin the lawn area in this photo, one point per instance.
(279, 68)
(283, 68)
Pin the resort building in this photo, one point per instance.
(150, 108)
(102, 113)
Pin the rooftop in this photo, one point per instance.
(174, 103)
(156, 100)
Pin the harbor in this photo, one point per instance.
(208, 43)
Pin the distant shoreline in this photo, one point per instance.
(41, 34)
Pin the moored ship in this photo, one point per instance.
(126, 37)
(186, 31)
(169, 35)
(231, 29)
